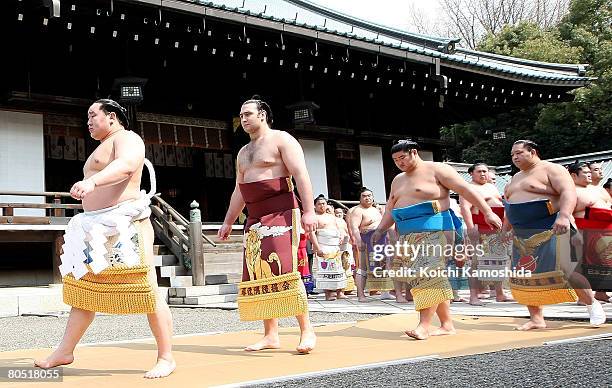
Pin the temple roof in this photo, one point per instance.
(305, 18)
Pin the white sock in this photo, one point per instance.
(597, 314)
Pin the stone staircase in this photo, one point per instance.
(222, 268)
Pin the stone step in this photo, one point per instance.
(172, 270)
(181, 281)
(163, 260)
(234, 238)
(223, 250)
(213, 268)
(221, 257)
(208, 299)
(223, 278)
(218, 289)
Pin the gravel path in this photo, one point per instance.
(585, 364)
(26, 332)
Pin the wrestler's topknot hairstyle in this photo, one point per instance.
(261, 106)
(404, 146)
(608, 184)
(107, 105)
(530, 145)
(475, 165)
(364, 189)
(575, 167)
(319, 198)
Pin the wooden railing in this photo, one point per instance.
(184, 238)
(55, 212)
(346, 205)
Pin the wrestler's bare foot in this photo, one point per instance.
(161, 369)
(420, 333)
(330, 298)
(459, 300)
(475, 302)
(363, 299)
(340, 295)
(530, 325)
(602, 297)
(401, 299)
(504, 298)
(267, 342)
(308, 340)
(444, 330)
(55, 359)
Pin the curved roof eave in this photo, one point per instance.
(446, 45)
(522, 70)
(579, 68)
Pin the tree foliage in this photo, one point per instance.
(583, 125)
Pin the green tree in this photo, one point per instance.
(528, 41)
(583, 125)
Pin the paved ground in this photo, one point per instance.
(27, 332)
(209, 360)
(585, 364)
(487, 364)
(490, 307)
(48, 300)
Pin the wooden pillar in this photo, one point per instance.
(58, 212)
(56, 248)
(196, 248)
(331, 165)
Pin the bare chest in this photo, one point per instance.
(489, 193)
(259, 156)
(326, 221)
(530, 185)
(370, 216)
(99, 159)
(421, 186)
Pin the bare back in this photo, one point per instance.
(420, 185)
(262, 159)
(533, 184)
(103, 155)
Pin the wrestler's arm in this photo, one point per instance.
(561, 181)
(506, 226)
(313, 240)
(235, 207)
(129, 155)
(341, 229)
(293, 158)
(450, 179)
(387, 221)
(466, 212)
(354, 220)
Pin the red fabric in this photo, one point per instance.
(600, 219)
(270, 202)
(479, 219)
(303, 256)
(597, 236)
